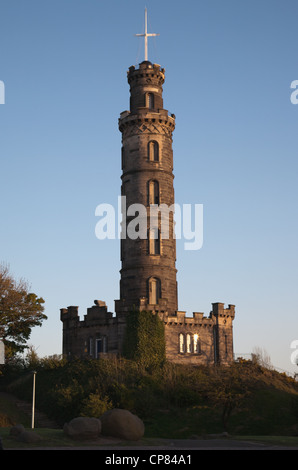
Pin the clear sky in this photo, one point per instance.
(229, 66)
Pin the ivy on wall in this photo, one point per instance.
(144, 339)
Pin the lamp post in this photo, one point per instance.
(33, 399)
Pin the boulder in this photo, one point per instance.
(83, 428)
(21, 434)
(28, 436)
(16, 430)
(123, 424)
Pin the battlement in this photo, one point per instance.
(179, 318)
(69, 313)
(146, 70)
(219, 310)
(198, 318)
(97, 314)
(144, 121)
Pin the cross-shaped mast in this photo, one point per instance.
(146, 35)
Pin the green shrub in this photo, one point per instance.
(144, 340)
(95, 405)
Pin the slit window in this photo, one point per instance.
(153, 241)
(153, 192)
(154, 290)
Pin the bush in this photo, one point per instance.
(95, 405)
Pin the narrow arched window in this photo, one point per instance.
(181, 343)
(153, 192)
(153, 241)
(188, 343)
(196, 344)
(153, 151)
(154, 288)
(149, 100)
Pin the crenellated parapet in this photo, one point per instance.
(94, 335)
(97, 314)
(219, 311)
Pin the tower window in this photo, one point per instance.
(153, 192)
(153, 241)
(149, 100)
(154, 288)
(153, 151)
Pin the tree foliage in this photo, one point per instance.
(20, 311)
(228, 390)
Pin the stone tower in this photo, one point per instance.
(148, 272)
(148, 245)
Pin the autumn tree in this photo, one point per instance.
(20, 311)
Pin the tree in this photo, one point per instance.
(261, 357)
(228, 390)
(20, 311)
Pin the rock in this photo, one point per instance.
(123, 424)
(83, 428)
(29, 437)
(21, 434)
(16, 430)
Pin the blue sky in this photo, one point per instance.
(229, 66)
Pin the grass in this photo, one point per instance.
(55, 438)
(195, 422)
(49, 438)
(177, 423)
(10, 414)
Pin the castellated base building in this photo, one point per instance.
(148, 265)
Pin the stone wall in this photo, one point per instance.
(96, 334)
(199, 339)
(196, 340)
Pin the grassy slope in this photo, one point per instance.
(270, 409)
(9, 412)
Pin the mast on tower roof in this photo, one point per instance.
(146, 35)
